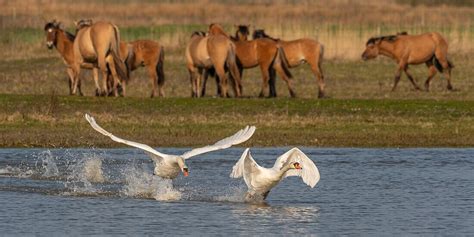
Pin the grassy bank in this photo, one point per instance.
(57, 121)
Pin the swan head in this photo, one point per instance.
(184, 168)
(295, 165)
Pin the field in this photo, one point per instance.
(361, 110)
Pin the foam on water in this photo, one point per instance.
(84, 173)
(141, 183)
(47, 164)
(234, 194)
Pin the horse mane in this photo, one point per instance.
(388, 38)
(242, 29)
(216, 29)
(70, 36)
(260, 33)
(198, 33)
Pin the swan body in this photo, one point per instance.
(169, 166)
(261, 180)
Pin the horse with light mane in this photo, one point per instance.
(217, 52)
(301, 51)
(429, 48)
(99, 44)
(63, 41)
(264, 53)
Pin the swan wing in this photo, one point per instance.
(246, 167)
(309, 172)
(239, 137)
(154, 154)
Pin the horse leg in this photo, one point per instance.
(153, 79)
(199, 85)
(397, 78)
(220, 71)
(265, 79)
(442, 59)
(70, 74)
(316, 69)
(432, 73)
(116, 80)
(411, 79)
(76, 70)
(288, 81)
(204, 82)
(95, 73)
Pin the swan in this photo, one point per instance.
(261, 180)
(169, 166)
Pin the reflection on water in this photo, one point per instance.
(113, 191)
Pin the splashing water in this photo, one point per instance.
(140, 183)
(86, 171)
(93, 169)
(48, 164)
(235, 194)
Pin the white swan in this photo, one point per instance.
(261, 180)
(169, 166)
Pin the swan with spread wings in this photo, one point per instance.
(261, 180)
(169, 166)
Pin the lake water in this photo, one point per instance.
(112, 191)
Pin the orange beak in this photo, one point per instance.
(297, 166)
(185, 172)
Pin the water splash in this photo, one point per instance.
(47, 167)
(84, 173)
(234, 194)
(140, 183)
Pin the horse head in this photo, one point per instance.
(51, 29)
(242, 32)
(260, 33)
(372, 47)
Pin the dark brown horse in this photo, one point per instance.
(429, 48)
(263, 53)
(63, 41)
(301, 51)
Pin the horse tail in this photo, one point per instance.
(439, 66)
(120, 66)
(321, 55)
(232, 63)
(159, 67)
(281, 57)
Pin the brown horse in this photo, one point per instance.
(301, 51)
(63, 41)
(99, 44)
(429, 48)
(149, 54)
(264, 53)
(212, 52)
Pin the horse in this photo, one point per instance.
(149, 54)
(301, 51)
(205, 52)
(264, 53)
(63, 41)
(99, 44)
(139, 53)
(429, 48)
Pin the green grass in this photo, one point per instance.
(57, 121)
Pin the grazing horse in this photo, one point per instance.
(264, 53)
(429, 48)
(149, 54)
(301, 51)
(63, 41)
(99, 44)
(212, 52)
